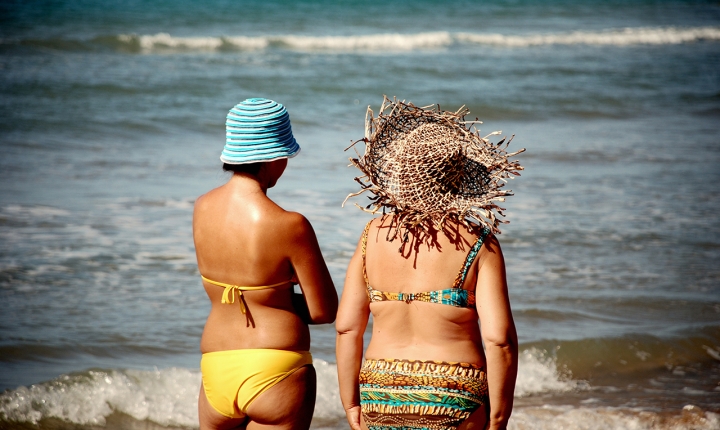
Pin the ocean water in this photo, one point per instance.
(112, 121)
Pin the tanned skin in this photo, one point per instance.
(429, 331)
(244, 238)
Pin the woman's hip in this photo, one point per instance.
(425, 393)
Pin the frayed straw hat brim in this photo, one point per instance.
(425, 164)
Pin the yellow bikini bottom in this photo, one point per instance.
(233, 379)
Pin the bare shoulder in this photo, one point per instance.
(491, 250)
(296, 221)
(382, 221)
(295, 226)
(200, 202)
(200, 208)
(491, 243)
(384, 225)
(205, 200)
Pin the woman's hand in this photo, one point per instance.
(353, 417)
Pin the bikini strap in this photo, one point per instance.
(364, 251)
(460, 279)
(229, 293)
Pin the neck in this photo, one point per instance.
(248, 183)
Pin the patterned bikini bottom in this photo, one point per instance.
(413, 394)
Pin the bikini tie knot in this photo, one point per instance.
(229, 296)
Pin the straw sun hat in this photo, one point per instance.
(424, 164)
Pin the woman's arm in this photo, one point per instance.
(351, 322)
(311, 270)
(498, 333)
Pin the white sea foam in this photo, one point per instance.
(712, 352)
(615, 37)
(169, 396)
(165, 41)
(538, 373)
(328, 404)
(427, 40)
(372, 42)
(186, 203)
(42, 212)
(584, 418)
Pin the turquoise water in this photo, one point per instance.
(112, 121)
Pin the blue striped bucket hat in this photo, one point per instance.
(258, 130)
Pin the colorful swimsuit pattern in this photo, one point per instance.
(454, 296)
(415, 394)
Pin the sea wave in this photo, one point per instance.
(168, 397)
(371, 42)
(426, 40)
(612, 37)
(567, 417)
(635, 356)
(538, 373)
(381, 42)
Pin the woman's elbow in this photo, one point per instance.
(503, 341)
(347, 329)
(323, 318)
(325, 310)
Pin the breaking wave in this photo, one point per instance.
(383, 42)
(168, 397)
(420, 41)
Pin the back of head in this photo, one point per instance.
(257, 130)
(425, 165)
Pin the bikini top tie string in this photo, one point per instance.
(229, 296)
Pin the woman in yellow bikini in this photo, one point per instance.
(256, 365)
(435, 181)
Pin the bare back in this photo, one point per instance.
(417, 329)
(243, 238)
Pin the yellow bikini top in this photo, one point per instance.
(229, 295)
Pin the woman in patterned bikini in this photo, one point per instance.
(436, 181)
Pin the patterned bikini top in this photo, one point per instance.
(454, 296)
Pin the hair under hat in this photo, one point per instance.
(258, 130)
(424, 164)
